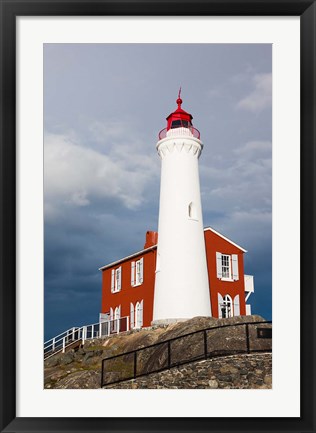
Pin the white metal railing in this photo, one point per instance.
(182, 131)
(249, 283)
(60, 342)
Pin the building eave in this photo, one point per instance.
(224, 237)
(117, 262)
(153, 247)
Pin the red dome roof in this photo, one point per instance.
(179, 117)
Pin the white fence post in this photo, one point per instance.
(100, 330)
(118, 325)
(127, 323)
(64, 344)
(83, 334)
(92, 332)
(53, 345)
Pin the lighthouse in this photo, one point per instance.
(181, 277)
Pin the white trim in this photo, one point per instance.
(236, 306)
(226, 239)
(117, 279)
(235, 267)
(133, 273)
(228, 305)
(247, 297)
(138, 315)
(153, 247)
(112, 280)
(132, 315)
(219, 272)
(219, 305)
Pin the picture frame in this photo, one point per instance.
(10, 10)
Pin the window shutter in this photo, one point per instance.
(141, 314)
(220, 301)
(133, 274)
(219, 265)
(119, 278)
(236, 306)
(132, 315)
(235, 267)
(112, 280)
(141, 278)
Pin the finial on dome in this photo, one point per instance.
(179, 100)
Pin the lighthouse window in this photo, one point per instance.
(176, 124)
(179, 123)
(192, 211)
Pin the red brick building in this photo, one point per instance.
(128, 284)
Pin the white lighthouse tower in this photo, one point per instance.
(181, 283)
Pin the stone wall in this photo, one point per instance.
(250, 371)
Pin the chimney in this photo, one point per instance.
(151, 239)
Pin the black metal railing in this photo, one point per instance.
(232, 339)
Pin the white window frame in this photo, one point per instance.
(132, 316)
(137, 272)
(192, 212)
(226, 267)
(237, 305)
(228, 306)
(231, 266)
(116, 280)
(116, 319)
(138, 323)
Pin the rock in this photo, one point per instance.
(80, 380)
(51, 362)
(227, 371)
(88, 355)
(268, 380)
(57, 375)
(66, 358)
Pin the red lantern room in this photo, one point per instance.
(179, 119)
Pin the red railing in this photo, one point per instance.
(189, 132)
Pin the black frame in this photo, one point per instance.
(9, 10)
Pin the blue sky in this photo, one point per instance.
(104, 105)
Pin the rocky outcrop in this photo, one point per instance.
(251, 371)
(82, 368)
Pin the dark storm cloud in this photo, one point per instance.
(104, 106)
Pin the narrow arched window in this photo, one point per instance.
(192, 211)
(116, 320)
(139, 314)
(226, 307)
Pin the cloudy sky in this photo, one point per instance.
(104, 105)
